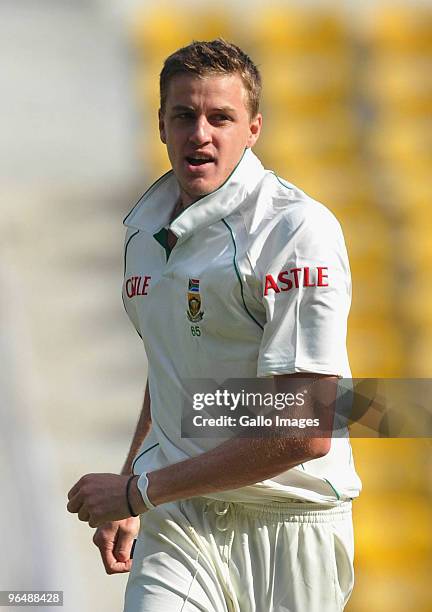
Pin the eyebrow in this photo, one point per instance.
(223, 109)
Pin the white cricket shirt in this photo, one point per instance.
(258, 284)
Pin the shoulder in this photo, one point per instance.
(278, 207)
(296, 209)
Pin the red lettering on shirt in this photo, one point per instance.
(306, 282)
(322, 276)
(129, 288)
(295, 272)
(282, 278)
(137, 285)
(287, 279)
(143, 283)
(270, 283)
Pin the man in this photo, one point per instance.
(230, 272)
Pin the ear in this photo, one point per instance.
(162, 133)
(254, 130)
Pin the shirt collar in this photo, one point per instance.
(153, 210)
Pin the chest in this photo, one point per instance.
(195, 291)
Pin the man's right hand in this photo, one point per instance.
(114, 541)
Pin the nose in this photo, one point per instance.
(200, 132)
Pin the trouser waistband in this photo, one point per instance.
(281, 511)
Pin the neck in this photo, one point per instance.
(178, 208)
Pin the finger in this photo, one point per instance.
(105, 536)
(123, 545)
(112, 566)
(75, 503)
(75, 489)
(120, 567)
(83, 514)
(95, 522)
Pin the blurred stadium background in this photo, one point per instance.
(347, 116)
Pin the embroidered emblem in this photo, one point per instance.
(194, 312)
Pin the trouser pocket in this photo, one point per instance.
(344, 569)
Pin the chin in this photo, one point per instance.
(200, 188)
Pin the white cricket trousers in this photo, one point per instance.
(201, 555)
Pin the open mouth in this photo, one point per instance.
(199, 160)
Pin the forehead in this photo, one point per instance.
(225, 90)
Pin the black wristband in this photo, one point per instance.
(129, 505)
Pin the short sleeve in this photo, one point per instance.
(306, 292)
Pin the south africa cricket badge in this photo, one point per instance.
(194, 312)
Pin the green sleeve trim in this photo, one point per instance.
(125, 251)
(143, 453)
(238, 275)
(335, 491)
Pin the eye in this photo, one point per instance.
(184, 116)
(220, 118)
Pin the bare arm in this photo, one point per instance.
(142, 430)
(237, 462)
(114, 538)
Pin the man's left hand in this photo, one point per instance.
(99, 498)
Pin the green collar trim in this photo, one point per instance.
(162, 237)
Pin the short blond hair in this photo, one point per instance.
(218, 57)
